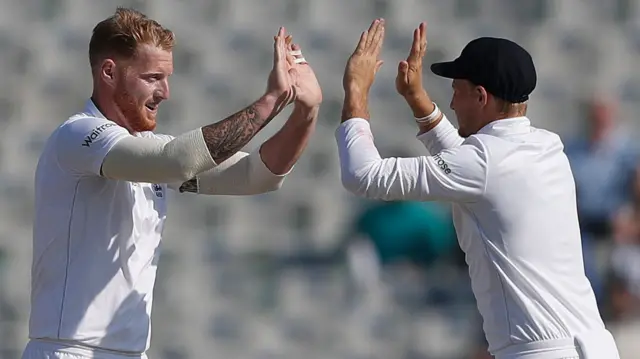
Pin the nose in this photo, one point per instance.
(451, 104)
(163, 92)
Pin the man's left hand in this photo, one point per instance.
(307, 91)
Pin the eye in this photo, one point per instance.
(152, 77)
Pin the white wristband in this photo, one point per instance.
(434, 115)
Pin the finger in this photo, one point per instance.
(287, 39)
(363, 41)
(372, 31)
(423, 38)
(415, 47)
(403, 71)
(282, 46)
(403, 67)
(378, 38)
(297, 53)
(296, 48)
(277, 47)
(290, 56)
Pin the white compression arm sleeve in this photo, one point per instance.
(241, 174)
(156, 160)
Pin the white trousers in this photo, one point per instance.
(39, 349)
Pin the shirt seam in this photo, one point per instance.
(486, 171)
(66, 271)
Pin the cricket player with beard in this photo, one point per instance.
(510, 184)
(102, 178)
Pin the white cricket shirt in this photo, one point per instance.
(95, 241)
(514, 209)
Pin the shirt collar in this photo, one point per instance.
(507, 126)
(91, 109)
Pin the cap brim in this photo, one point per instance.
(446, 69)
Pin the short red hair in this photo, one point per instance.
(121, 34)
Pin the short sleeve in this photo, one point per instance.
(82, 144)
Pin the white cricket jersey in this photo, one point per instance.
(514, 209)
(96, 241)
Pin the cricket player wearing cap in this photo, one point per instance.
(510, 184)
(102, 178)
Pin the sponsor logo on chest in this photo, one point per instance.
(95, 133)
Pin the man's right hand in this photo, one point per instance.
(365, 61)
(279, 84)
(360, 72)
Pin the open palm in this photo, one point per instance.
(305, 83)
(280, 82)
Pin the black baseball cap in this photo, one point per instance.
(501, 66)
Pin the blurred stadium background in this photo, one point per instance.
(311, 271)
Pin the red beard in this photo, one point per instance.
(136, 116)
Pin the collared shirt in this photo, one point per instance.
(95, 241)
(514, 207)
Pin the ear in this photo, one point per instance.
(108, 71)
(482, 95)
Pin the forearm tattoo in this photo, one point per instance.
(190, 186)
(228, 136)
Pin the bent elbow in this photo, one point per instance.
(180, 171)
(262, 187)
(354, 184)
(271, 186)
(367, 182)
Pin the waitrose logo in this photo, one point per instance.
(95, 133)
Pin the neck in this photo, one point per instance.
(510, 114)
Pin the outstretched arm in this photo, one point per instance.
(457, 174)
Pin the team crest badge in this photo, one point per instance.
(158, 190)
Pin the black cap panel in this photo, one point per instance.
(501, 66)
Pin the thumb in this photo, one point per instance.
(378, 65)
(403, 67)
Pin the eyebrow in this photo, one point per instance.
(155, 73)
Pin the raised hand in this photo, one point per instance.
(279, 84)
(306, 87)
(365, 61)
(409, 79)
